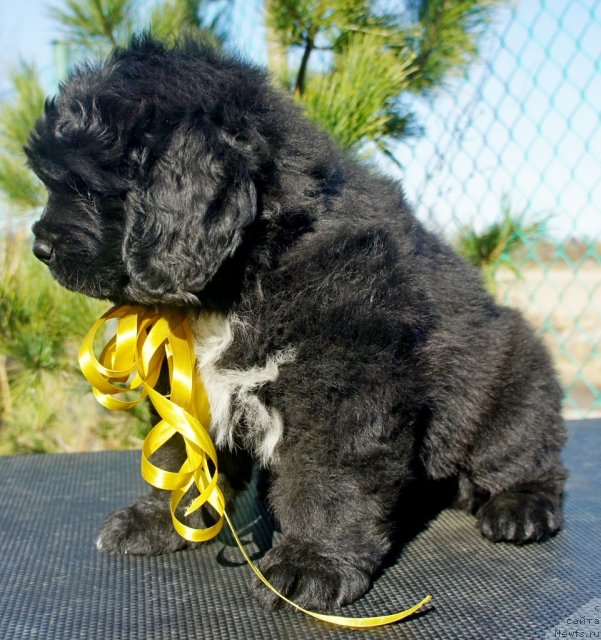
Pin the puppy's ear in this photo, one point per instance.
(187, 216)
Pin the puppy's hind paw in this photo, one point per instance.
(309, 577)
(520, 517)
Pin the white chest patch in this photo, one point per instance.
(232, 392)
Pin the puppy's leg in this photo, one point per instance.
(336, 533)
(146, 528)
(527, 512)
(516, 456)
(525, 505)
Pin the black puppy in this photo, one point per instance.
(344, 347)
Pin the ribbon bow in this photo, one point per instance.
(130, 364)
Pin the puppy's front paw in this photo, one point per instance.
(142, 529)
(520, 517)
(309, 576)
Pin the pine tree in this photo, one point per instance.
(369, 60)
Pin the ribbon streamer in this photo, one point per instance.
(130, 364)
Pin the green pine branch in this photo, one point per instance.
(375, 59)
(445, 39)
(355, 104)
(95, 24)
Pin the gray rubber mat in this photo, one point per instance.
(54, 584)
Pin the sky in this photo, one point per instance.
(524, 124)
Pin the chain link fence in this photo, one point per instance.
(521, 131)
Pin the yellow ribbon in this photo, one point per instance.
(130, 364)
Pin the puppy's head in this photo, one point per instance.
(150, 161)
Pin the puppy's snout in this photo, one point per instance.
(43, 250)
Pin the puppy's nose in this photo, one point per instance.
(42, 250)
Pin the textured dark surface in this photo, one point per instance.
(54, 583)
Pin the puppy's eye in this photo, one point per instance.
(123, 195)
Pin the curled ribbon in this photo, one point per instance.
(130, 363)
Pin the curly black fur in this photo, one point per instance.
(182, 177)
